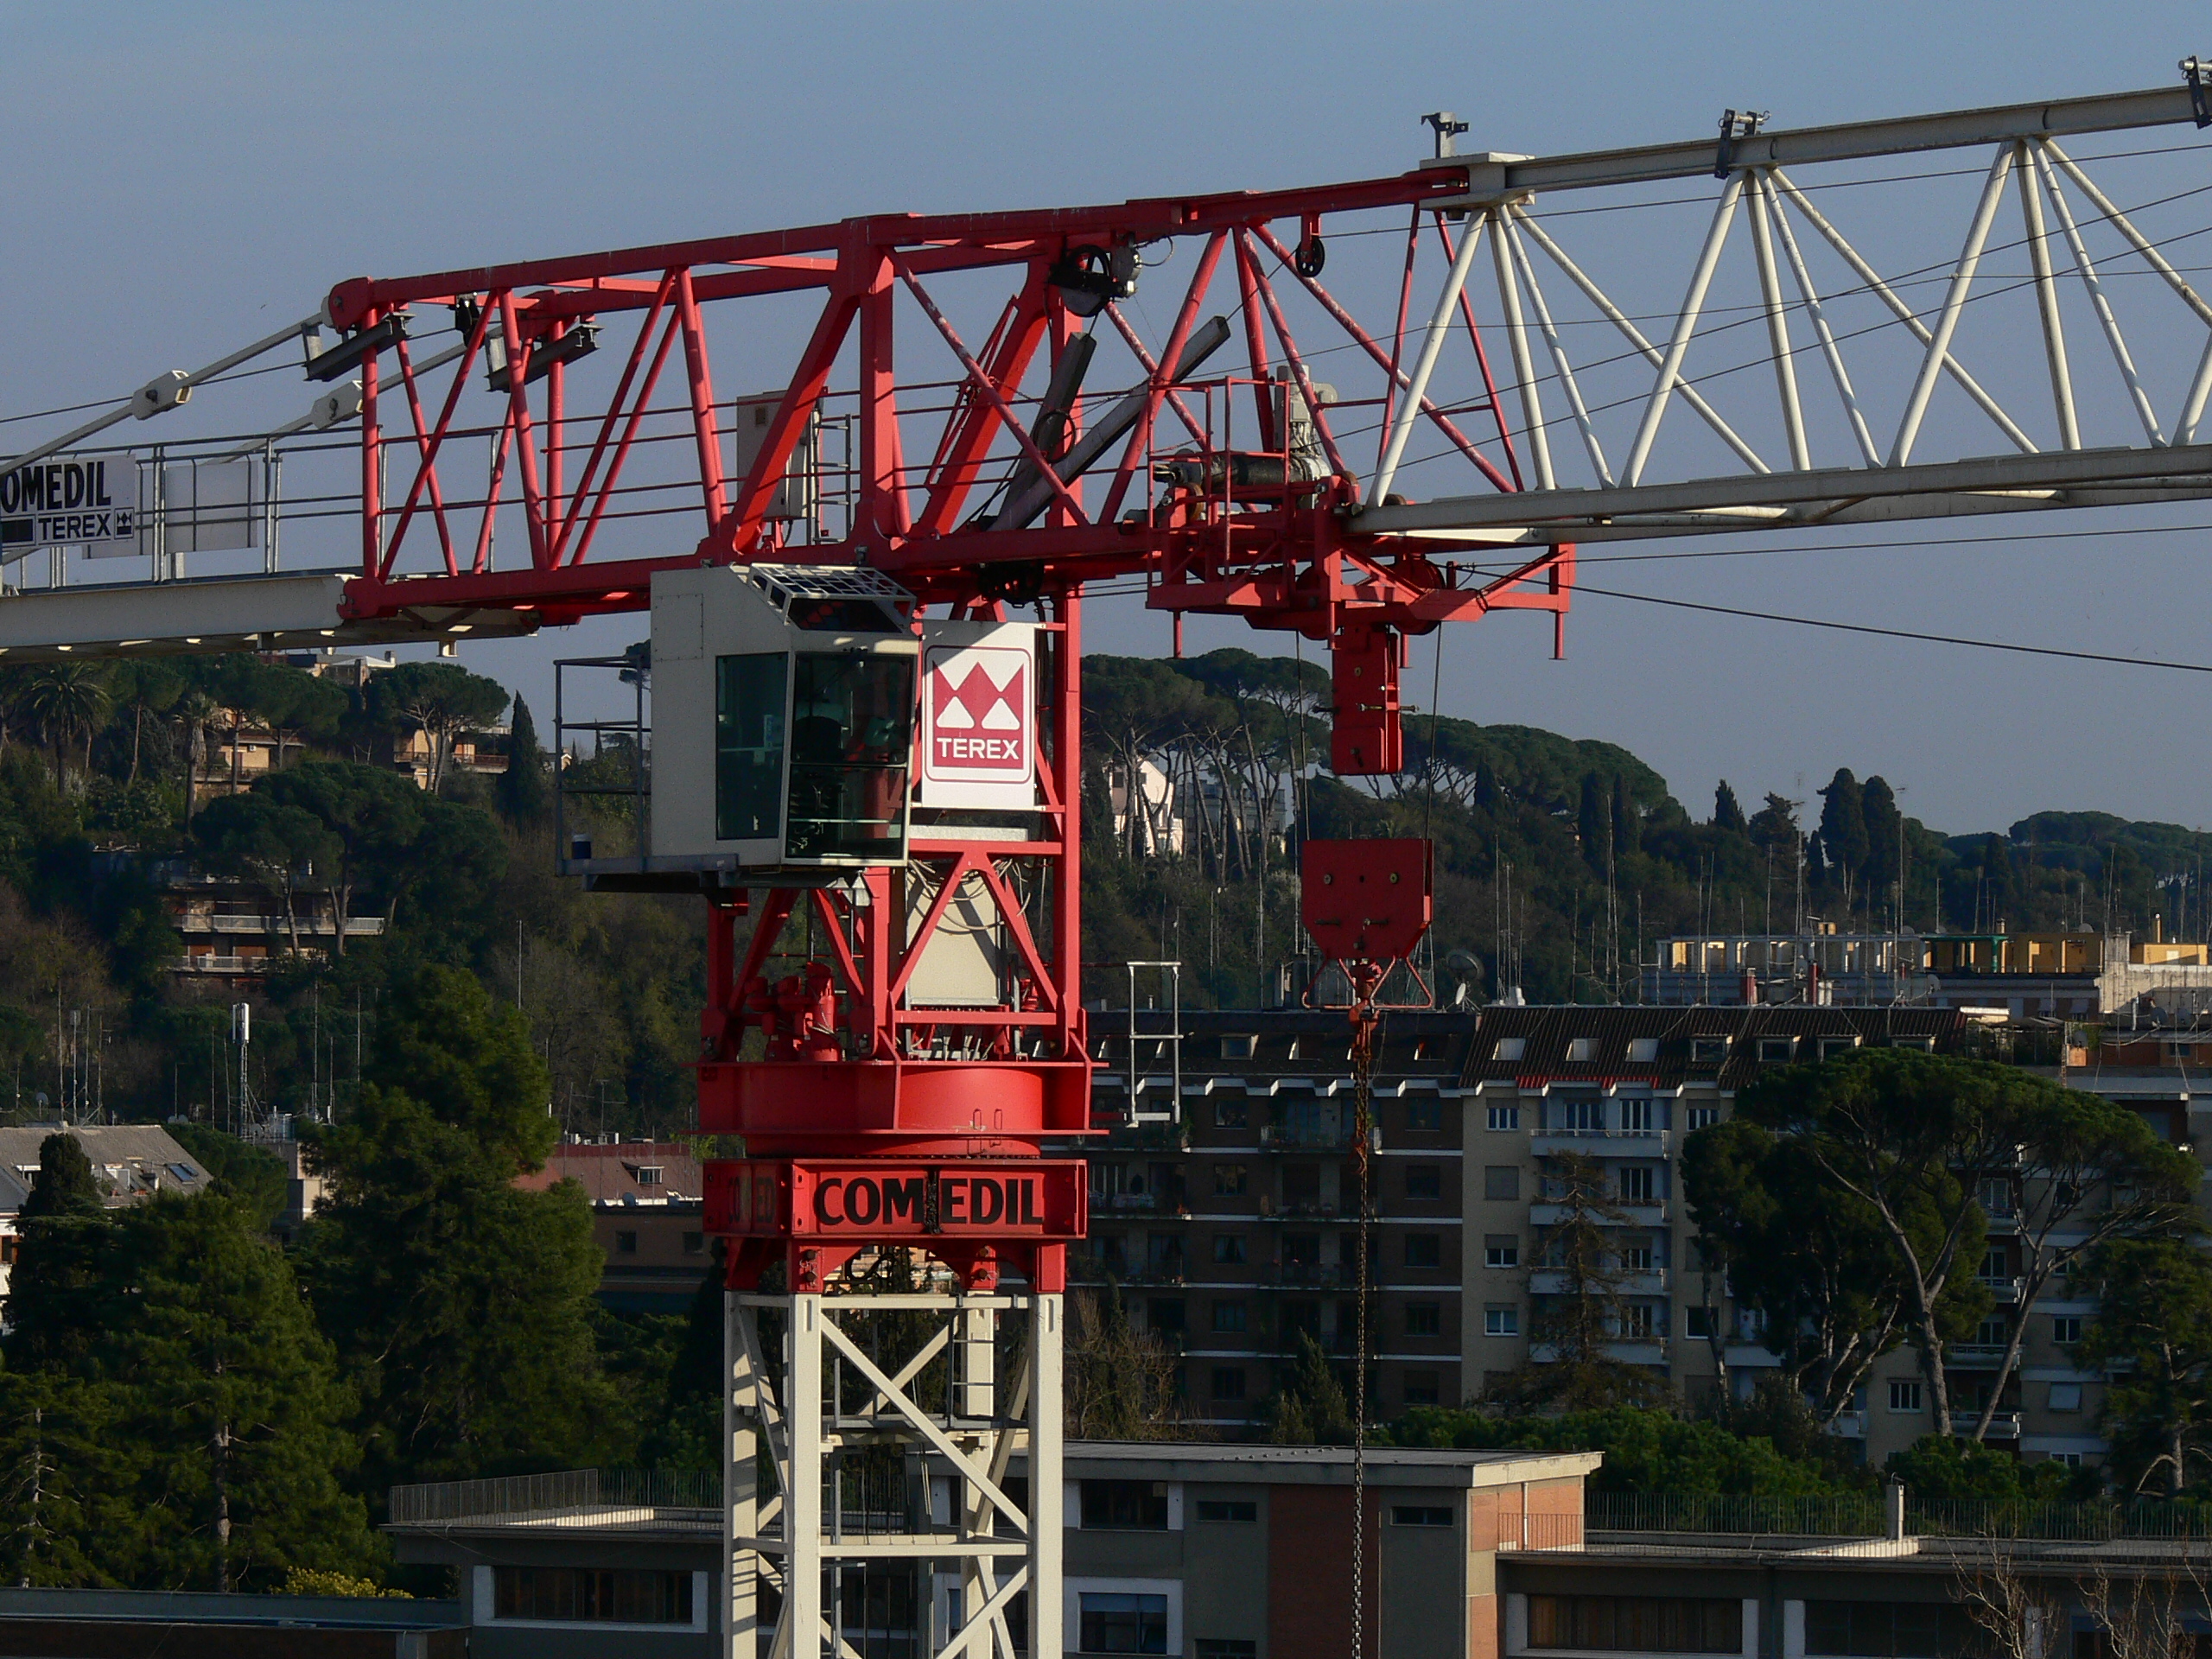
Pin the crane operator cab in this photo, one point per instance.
(784, 706)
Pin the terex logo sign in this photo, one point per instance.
(979, 717)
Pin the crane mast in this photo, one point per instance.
(866, 594)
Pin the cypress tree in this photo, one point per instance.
(461, 1304)
(1843, 828)
(1625, 833)
(1592, 824)
(1728, 811)
(229, 1395)
(1885, 837)
(522, 792)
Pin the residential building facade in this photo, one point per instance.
(647, 1215)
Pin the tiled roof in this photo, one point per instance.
(129, 1160)
(609, 1174)
(1548, 1035)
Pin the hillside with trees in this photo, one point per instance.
(1559, 860)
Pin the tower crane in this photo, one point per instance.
(866, 591)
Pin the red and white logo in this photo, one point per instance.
(980, 720)
(980, 715)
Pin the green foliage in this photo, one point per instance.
(525, 794)
(252, 1177)
(1308, 1406)
(1934, 1468)
(460, 1303)
(2154, 1326)
(169, 1416)
(1646, 1450)
(64, 1185)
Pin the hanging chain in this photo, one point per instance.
(1363, 1094)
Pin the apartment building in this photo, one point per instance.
(130, 1163)
(2082, 975)
(1233, 1227)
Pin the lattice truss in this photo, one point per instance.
(892, 1497)
(2042, 266)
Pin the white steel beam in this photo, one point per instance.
(296, 612)
(2186, 469)
(1440, 323)
(2160, 107)
(1670, 365)
(1955, 298)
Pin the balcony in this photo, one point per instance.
(1308, 1275)
(215, 964)
(1849, 1426)
(1302, 1209)
(1601, 1143)
(2004, 1426)
(1652, 1351)
(1973, 1356)
(309, 926)
(1552, 1282)
(1306, 1137)
(1638, 1214)
(1141, 1201)
(2001, 1289)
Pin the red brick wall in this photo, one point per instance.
(1309, 1572)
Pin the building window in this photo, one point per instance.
(1242, 1509)
(1230, 1180)
(1643, 1050)
(1424, 1181)
(649, 1174)
(1424, 1318)
(1501, 1182)
(1211, 1647)
(1993, 1332)
(1775, 1051)
(1581, 1116)
(1229, 1382)
(1904, 1396)
(1636, 1624)
(1704, 1117)
(2071, 1459)
(1505, 1117)
(1509, 1048)
(695, 1243)
(1230, 1112)
(1127, 1505)
(1501, 1250)
(1228, 1315)
(1425, 1116)
(1636, 1322)
(1119, 1623)
(1423, 1250)
(1832, 1046)
(1638, 1183)
(625, 1244)
(1240, 1047)
(1502, 1321)
(1582, 1048)
(1229, 1250)
(2066, 1396)
(2066, 1329)
(1697, 1323)
(1421, 1389)
(1639, 1117)
(1164, 1313)
(1902, 1628)
(1420, 1515)
(579, 1595)
(1708, 1051)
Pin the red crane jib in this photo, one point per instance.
(839, 1059)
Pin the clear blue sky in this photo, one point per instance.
(187, 176)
